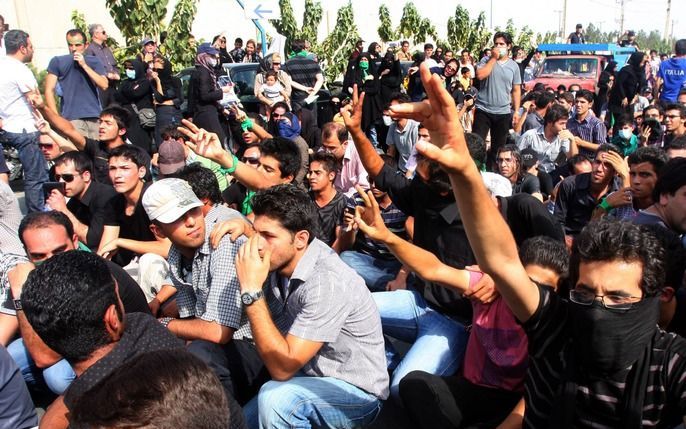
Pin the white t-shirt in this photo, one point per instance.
(15, 80)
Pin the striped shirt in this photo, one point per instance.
(393, 218)
(591, 129)
(547, 152)
(598, 401)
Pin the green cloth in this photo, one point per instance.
(626, 146)
(84, 248)
(221, 178)
(246, 205)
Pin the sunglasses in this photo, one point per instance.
(276, 64)
(251, 160)
(66, 177)
(46, 145)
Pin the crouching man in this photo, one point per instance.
(313, 321)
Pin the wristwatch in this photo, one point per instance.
(17, 305)
(248, 298)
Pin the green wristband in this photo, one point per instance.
(605, 205)
(231, 170)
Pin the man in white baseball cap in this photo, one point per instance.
(207, 288)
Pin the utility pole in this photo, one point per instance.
(667, 21)
(621, 17)
(560, 30)
(564, 18)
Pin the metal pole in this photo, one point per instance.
(263, 33)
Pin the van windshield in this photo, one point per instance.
(576, 67)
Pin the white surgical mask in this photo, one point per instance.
(131, 74)
(503, 52)
(625, 134)
(387, 121)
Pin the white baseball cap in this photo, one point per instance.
(168, 199)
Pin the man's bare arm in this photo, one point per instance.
(198, 329)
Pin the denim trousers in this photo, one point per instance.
(375, 272)
(311, 402)
(57, 377)
(437, 342)
(33, 162)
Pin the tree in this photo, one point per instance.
(479, 35)
(288, 25)
(179, 44)
(311, 20)
(337, 46)
(79, 21)
(459, 28)
(137, 19)
(385, 29)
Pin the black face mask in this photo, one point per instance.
(607, 341)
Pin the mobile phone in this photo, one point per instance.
(49, 186)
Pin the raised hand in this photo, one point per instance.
(439, 115)
(352, 113)
(234, 227)
(252, 269)
(368, 218)
(204, 143)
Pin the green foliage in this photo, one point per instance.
(548, 37)
(646, 41)
(459, 28)
(385, 29)
(79, 21)
(311, 20)
(334, 50)
(179, 45)
(410, 21)
(479, 35)
(287, 25)
(137, 19)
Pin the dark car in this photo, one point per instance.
(243, 76)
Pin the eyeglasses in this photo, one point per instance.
(46, 145)
(612, 302)
(251, 160)
(276, 64)
(66, 177)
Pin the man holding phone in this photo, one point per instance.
(80, 76)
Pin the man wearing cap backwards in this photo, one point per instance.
(208, 293)
(79, 77)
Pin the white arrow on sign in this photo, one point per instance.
(262, 9)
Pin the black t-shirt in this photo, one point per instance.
(90, 210)
(528, 184)
(143, 333)
(330, 216)
(438, 229)
(98, 152)
(129, 291)
(528, 217)
(134, 227)
(576, 38)
(234, 195)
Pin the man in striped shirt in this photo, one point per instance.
(598, 360)
(589, 131)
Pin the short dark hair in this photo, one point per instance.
(655, 156)
(476, 147)
(464, 70)
(623, 119)
(503, 35)
(326, 159)
(585, 94)
(172, 131)
(203, 182)
(15, 40)
(286, 152)
(544, 99)
(297, 45)
(399, 97)
(271, 73)
(334, 128)
(81, 161)
(678, 142)
(171, 377)
(545, 252)
(289, 205)
(609, 240)
(238, 40)
(428, 46)
(36, 220)
(660, 110)
(576, 160)
(608, 147)
(679, 107)
(671, 178)
(76, 32)
(65, 300)
(404, 42)
(680, 47)
(566, 96)
(130, 152)
(554, 114)
(675, 262)
(120, 115)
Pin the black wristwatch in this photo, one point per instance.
(17, 305)
(248, 298)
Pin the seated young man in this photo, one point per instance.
(599, 358)
(87, 198)
(72, 302)
(44, 235)
(492, 379)
(330, 202)
(314, 322)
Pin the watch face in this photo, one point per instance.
(246, 298)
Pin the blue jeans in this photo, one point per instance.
(57, 377)
(375, 272)
(438, 342)
(311, 402)
(33, 162)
